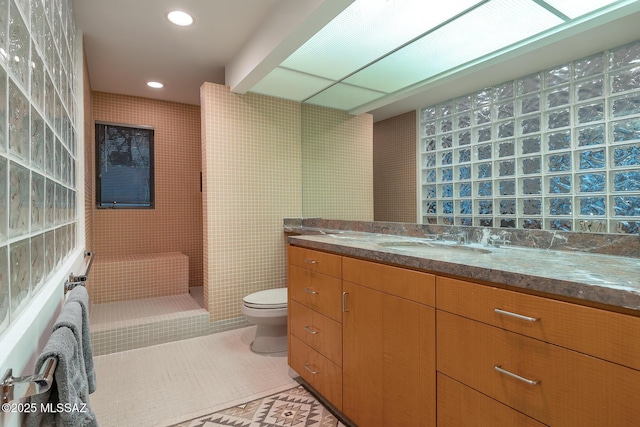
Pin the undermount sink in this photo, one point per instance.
(432, 247)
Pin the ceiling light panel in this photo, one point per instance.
(368, 30)
(576, 8)
(344, 97)
(486, 29)
(289, 84)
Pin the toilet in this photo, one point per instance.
(268, 310)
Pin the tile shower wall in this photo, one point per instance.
(251, 181)
(337, 164)
(175, 225)
(253, 171)
(394, 169)
(38, 147)
(89, 148)
(555, 150)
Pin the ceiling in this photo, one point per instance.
(283, 47)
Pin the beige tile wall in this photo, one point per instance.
(252, 180)
(88, 155)
(394, 169)
(154, 275)
(337, 162)
(175, 225)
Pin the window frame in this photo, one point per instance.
(101, 126)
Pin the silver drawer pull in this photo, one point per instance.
(344, 302)
(518, 377)
(310, 261)
(311, 291)
(308, 368)
(517, 316)
(311, 331)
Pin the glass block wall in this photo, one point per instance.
(38, 138)
(555, 150)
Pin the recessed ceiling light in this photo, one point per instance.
(155, 85)
(180, 18)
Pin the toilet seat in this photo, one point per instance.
(269, 299)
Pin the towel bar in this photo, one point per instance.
(79, 280)
(20, 387)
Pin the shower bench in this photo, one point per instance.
(126, 277)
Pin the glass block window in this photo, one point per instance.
(556, 150)
(38, 146)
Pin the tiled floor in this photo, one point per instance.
(168, 383)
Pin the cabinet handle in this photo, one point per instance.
(310, 330)
(311, 291)
(517, 316)
(308, 368)
(310, 261)
(516, 376)
(344, 302)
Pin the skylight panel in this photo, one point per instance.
(289, 84)
(576, 8)
(344, 97)
(368, 30)
(487, 29)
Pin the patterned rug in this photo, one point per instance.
(295, 407)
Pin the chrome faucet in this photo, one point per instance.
(497, 241)
(460, 238)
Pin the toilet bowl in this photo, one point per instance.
(268, 310)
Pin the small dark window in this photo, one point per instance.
(124, 166)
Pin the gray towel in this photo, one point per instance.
(79, 295)
(71, 317)
(69, 386)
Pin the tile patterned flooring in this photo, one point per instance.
(168, 383)
(293, 407)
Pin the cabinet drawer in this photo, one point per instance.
(401, 282)
(317, 370)
(597, 332)
(319, 332)
(459, 405)
(571, 389)
(317, 291)
(320, 262)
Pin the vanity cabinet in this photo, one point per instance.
(388, 345)
(393, 346)
(315, 320)
(541, 357)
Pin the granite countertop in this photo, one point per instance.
(598, 278)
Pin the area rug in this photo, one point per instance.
(294, 407)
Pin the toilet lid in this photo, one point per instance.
(271, 298)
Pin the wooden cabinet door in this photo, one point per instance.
(388, 359)
(317, 291)
(459, 405)
(317, 331)
(317, 370)
(554, 385)
(362, 375)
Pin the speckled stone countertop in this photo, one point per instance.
(592, 277)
